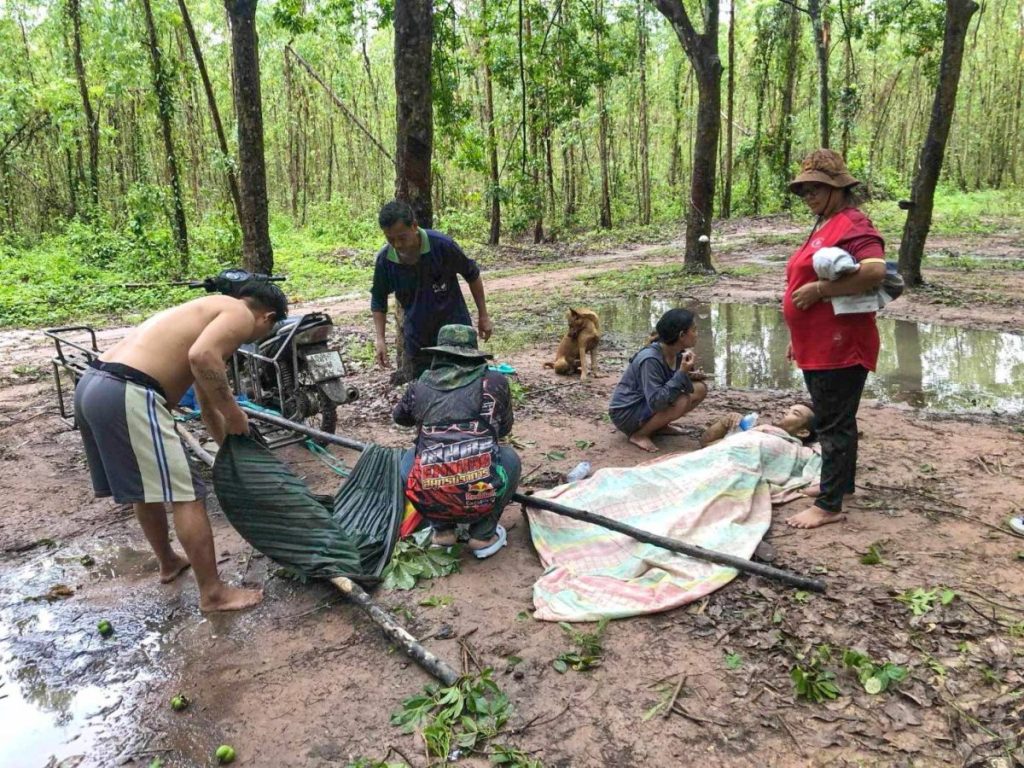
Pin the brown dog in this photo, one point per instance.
(582, 337)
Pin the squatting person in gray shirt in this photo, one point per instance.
(660, 384)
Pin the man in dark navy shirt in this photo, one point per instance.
(421, 267)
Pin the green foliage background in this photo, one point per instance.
(63, 261)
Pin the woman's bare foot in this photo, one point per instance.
(443, 538)
(173, 568)
(814, 491)
(814, 517)
(225, 598)
(644, 442)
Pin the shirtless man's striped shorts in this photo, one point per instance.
(134, 454)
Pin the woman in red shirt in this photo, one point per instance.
(835, 352)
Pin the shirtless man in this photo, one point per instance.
(122, 409)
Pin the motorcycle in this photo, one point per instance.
(293, 371)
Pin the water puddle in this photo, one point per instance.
(924, 365)
(66, 693)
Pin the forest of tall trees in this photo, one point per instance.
(547, 114)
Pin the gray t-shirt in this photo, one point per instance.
(647, 386)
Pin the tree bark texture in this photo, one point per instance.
(702, 51)
(784, 142)
(730, 100)
(605, 216)
(165, 110)
(92, 123)
(821, 52)
(414, 37)
(257, 251)
(494, 193)
(929, 166)
(645, 160)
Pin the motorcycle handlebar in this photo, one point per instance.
(230, 281)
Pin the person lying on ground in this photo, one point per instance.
(457, 473)
(661, 383)
(797, 421)
(133, 451)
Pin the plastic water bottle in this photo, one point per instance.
(748, 421)
(578, 472)
(745, 423)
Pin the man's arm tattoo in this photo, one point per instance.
(215, 382)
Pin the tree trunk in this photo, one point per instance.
(91, 120)
(569, 165)
(645, 161)
(821, 52)
(919, 218)
(602, 135)
(729, 103)
(702, 51)
(494, 192)
(676, 160)
(536, 195)
(293, 155)
(785, 137)
(330, 157)
(165, 110)
(257, 251)
(414, 36)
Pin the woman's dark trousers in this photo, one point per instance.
(836, 397)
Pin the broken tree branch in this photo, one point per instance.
(339, 103)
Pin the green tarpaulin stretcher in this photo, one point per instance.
(353, 534)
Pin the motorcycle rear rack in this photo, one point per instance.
(72, 357)
(71, 360)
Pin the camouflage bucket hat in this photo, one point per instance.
(458, 340)
(824, 166)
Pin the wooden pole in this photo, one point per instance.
(396, 632)
(672, 545)
(356, 594)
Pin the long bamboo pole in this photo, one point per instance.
(356, 594)
(672, 545)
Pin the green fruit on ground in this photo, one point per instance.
(105, 628)
(179, 702)
(225, 754)
(873, 685)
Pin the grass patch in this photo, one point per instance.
(79, 275)
(956, 213)
(944, 260)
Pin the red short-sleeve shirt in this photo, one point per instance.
(823, 340)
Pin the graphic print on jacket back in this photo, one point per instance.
(455, 474)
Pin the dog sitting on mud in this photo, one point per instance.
(581, 339)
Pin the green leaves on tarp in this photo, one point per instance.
(275, 511)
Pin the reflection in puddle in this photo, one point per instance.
(924, 365)
(63, 688)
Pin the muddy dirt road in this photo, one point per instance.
(305, 680)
